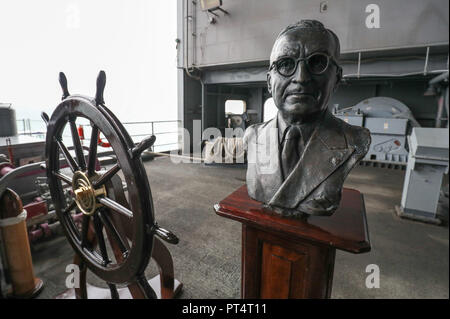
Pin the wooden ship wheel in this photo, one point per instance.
(116, 236)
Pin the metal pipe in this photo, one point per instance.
(439, 78)
(186, 44)
(425, 68)
(44, 231)
(5, 168)
(446, 105)
(193, 33)
(359, 64)
(153, 130)
(203, 104)
(391, 75)
(439, 112)
(146, 122)
(185, 37)
(178, 156)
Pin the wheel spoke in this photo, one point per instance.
(63, 177)
(92, 151)
(84, 230)
(107, 175)
(69, 208)
(77, 144)
(72, 164)
(115, 207)
(101, 239)
(122, 244)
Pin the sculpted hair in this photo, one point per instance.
(314, 25)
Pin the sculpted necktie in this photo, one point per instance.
(292, 149)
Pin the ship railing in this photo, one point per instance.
(28, 127)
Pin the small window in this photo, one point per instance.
(270, 109)
(235, 106)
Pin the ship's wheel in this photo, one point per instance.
(116, 235)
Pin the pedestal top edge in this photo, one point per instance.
(346, 229)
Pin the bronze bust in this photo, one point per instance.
(298, 161)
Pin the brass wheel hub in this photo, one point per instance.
(85, 193)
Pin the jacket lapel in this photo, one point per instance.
(325, 152)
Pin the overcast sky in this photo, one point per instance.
(132, 40)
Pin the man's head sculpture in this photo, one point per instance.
(298, 161)
(303, 69)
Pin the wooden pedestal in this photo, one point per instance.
(290, 258)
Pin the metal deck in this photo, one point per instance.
(413, 257)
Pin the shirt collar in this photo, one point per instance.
(306, 129)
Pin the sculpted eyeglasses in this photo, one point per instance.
(316, 63)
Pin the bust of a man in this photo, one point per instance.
(298, 161)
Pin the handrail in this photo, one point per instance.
(152, 123)
(145, 122)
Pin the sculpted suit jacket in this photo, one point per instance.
(315, 184)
